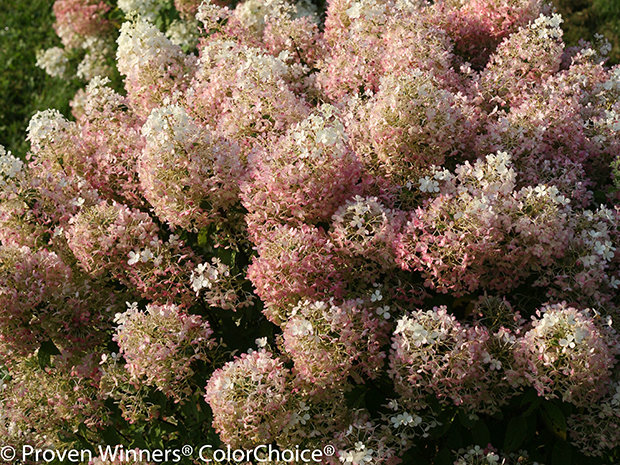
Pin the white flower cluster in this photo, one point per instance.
(548, 26)
(320, 131)
(10, 166)
(209, 15)
(418, 334)
(477, 456)
(544, 191)
(94, 62)
(405, 419)
(494, 174)
(359, 456)
(54, 61)
(183, 33)
(166, 125)
(573, 332)
(44, 125)
(300, 327)
(318, 306)
(101, 97)
(206, 275)
(612, 84)
(141, 256)
(148, 9)
(140, 43)
(430, 183)
(252, 13)
(598, 247)
(370, 10)
(364, 215)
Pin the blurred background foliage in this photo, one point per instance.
(27, 26)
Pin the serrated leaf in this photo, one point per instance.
(554, 419)
(515, 434)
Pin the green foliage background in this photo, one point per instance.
(25, 27)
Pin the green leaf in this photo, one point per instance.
(414, 455)
(44, 359)
(466, 420)
(481, 434)
(533, 406)
(562, 453)
(49, 347)
(203, 237)
(529, 397)
(453, 438)
(515, 434)
(444, 457)
(554, 419)
(44, 355)
(111, 436)
(356, 398)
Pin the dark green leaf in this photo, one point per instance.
(453, 438)
(554, 419)
(49, 347)
(44, 359)
(203, 237)
(533, 406)
(515, 434)
(466, 419)
(481, 434)
(529, 397)
(444, 457)
(110, 436)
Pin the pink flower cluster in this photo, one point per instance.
(78, 19)
(112, 240)
(160, 345)
(248, 397)
(69, 388)
(186, 176)
(305, 176)
(84, 28)
(597, 429)
(328, 343)
(477, 231)
(566, 354)
(43, 299)
(432, 353)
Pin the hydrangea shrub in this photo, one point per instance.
(388, 226)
